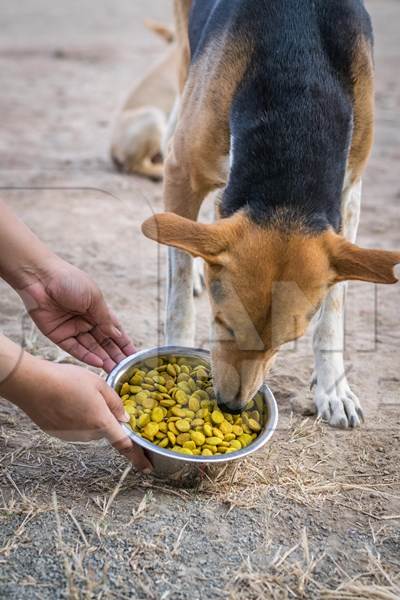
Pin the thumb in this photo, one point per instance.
(114, 403)
(116, 436)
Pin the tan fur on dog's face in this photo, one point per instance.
(264, 286)
(263, 293)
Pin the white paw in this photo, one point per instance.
(338, 406)
(198, 277)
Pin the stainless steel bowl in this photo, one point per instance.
(171, 464)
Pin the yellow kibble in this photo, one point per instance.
(184, 386)
(218, 433)
(182, 425)
(148, 386)
(152, 363)
(189, 414)
(225, 427)
(171, 437)
(182, 438)
(171, 371)
(192, 384)
(182, 377)
(202, 374)
(143, 420)
(137, 379)
(259, 403)
(157, 414)
(141, 397)
(178, 412)
(207, 430)
(171, 402)
(194, 403)
(181, 397)
(151, 429)
(190, 444)
(161, 388)
(213, 441)
(130, 408)
(167, 402)
(206, 452)
(135, 389)
(237, 430)
(236, 444)
(149, 403)
(245, 439)
(125, 389)
(254, 426)
(172, 427)
(198, 438)
(217, 417)
(213, 449)
(182, 450)
(223, 444)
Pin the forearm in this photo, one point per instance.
(23, 257)
(17, 370)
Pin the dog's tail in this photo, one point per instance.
(163, 31)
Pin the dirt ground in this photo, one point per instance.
(314, 515)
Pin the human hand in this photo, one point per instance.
(73, 404)
(68, 308)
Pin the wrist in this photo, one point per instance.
(38, 268)
(18, 371)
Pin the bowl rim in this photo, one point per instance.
(202, 354)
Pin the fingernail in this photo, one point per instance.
(116, 332)
(126, 417)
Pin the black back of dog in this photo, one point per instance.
(292, 114)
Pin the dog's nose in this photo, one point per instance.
(233, 408)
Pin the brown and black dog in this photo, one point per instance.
(276, 107)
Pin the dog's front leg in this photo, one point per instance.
(180, 316)
(333, 397)
(181, 199)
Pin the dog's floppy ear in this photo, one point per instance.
(351, 262)
(199, 239)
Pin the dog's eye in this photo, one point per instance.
(222, 323)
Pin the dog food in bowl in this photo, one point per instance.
(171, 403)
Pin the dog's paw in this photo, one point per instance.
(198, 277)
(339, 407)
